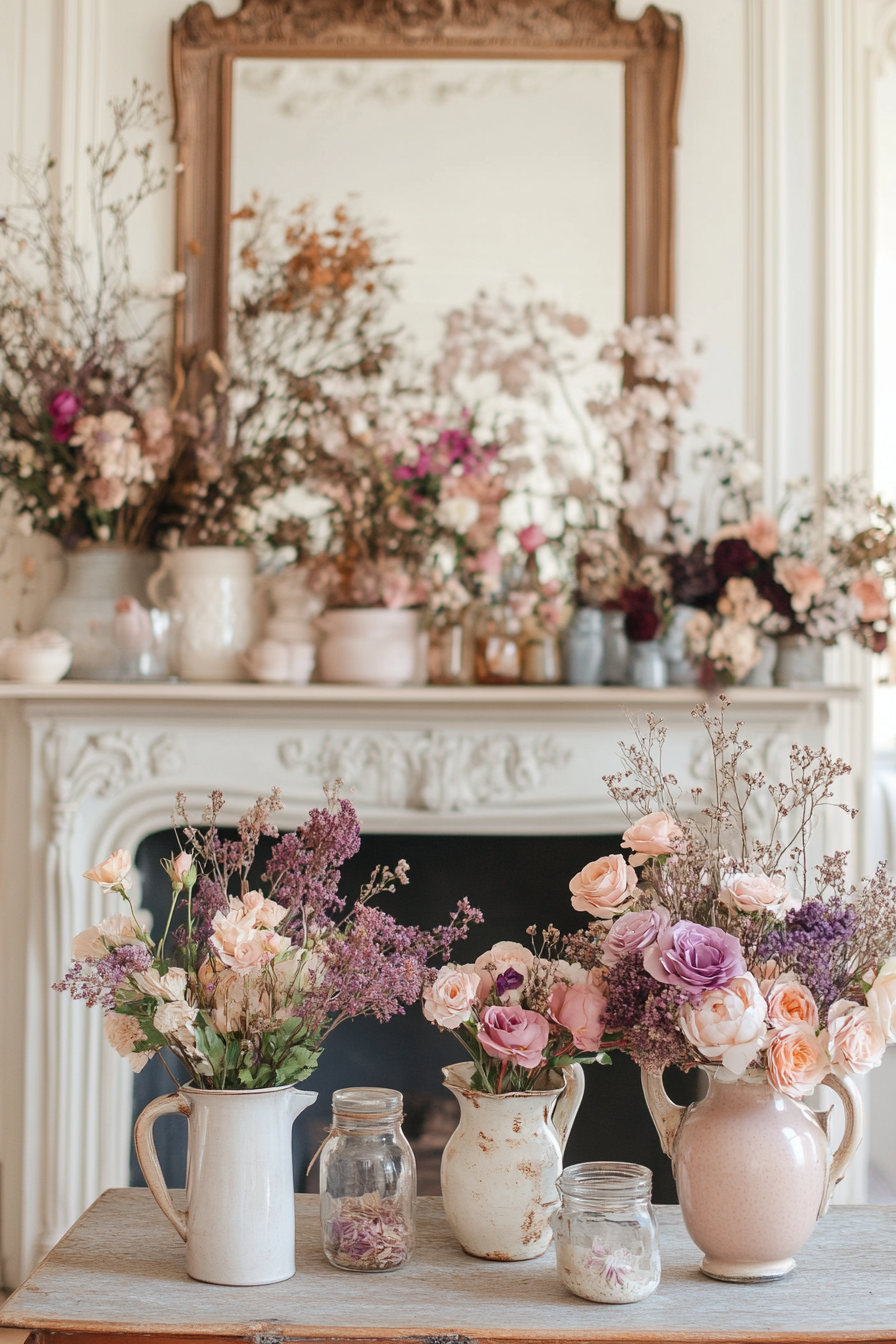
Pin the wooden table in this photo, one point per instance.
(119, 1275)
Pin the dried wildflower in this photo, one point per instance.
(367, 1232)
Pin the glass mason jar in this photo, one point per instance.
(541, 664)
(451, 657)
(607, 1246)
(498, 652)
(368, 1182)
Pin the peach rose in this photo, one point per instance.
(123, 1033)
(449, 1001)
(113, 931)
(789, 1002)
(112, 872)
(796, 1060)
(181, 865)
(869, 590)
(728, 1025)
(761, 535)
(605, 887)
(881, 998)
(802, 579)
(756, 893)
(653, 835)
(854, 1038)
(264, 912)
(240, 945)
(580, 1009)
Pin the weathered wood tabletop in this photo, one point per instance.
(120, 1274)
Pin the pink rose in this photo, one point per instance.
(761, 535)
(605, 887)
(695, 956)
(515, 1034)
(123, 1033)
(633, 932)
(796, 1060)
(881, 998)
(181, 866)
(264, 912)
(580, 1009)
(755, 893)
(531, 537)
(113, 931)
(239, 944)
(449, 1001)
(653, 835)
(869, 590)
(728, 1024)
(488, 562)
(789, 1002)
(802, 579)
(112, 872)
(854, 1038)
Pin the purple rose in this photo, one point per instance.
(633, 932)
(694, 957)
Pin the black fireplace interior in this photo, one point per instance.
(516, 881)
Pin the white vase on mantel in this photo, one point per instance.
(210, 592)
(501, 1165)
(800, 662)
(369, 646)
(84, 609)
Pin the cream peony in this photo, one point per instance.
(605, 887)
(170, 986)
(653, 835)
(123, 1033)
(790, 1001)
(113, 931)
(881, 998)
(728, 1025)
(449, 1001)
(175, 1022)
(112, 872)
(796, 1060)
(854, 1038)
(755, 893)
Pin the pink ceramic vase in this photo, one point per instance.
(753, 1169)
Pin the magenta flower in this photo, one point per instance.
(531, 537)
(633, 932)
(695, 958)
(515, 1034)
(64, 409)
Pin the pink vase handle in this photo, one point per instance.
(177, 1104)
(855, 1126)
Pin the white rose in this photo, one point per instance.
(450, 999)
(755, 893)
(458, 514)
(175, 1020)
(881, 998)
(170, 986)
(728, 1025)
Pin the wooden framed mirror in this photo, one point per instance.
(221, 91)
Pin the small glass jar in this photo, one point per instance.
(605, 1230)
(451, 656)
(646, 665)
(498, 652)
(368, 1182)
(540, 656)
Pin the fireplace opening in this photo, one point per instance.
(516, 881)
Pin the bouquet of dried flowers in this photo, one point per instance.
(247, 986)
(86, 439)
(711, 946)
(520, 1013)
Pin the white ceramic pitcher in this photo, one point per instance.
(212, 594)
(240, 1222)
(501, 1164)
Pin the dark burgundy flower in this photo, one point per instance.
(64, 409)
(733, 558)
(767, 586)
(694, 579)
(641, 619)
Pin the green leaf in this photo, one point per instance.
(231, 1056)
(262, 1076)
(210, 1043)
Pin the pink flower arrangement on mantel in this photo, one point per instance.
(519, 1014)
(709, 947)
(251, 982)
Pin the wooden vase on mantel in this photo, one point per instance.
(753, 1168)
(501, 1165)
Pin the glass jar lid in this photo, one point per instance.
(367, 1103)
(606, 1185)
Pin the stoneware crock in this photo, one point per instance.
(239, 1223)
(753, 1168)
(500, 1166)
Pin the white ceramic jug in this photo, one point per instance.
(501, 1164)
(369, 646)
(212, 594)
(239, 1223)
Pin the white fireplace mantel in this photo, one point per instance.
(91, 767)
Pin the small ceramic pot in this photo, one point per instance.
(368, 646)
(41, 659)
(276, 660)
(646, 665)
(585, 647)
(800, 661)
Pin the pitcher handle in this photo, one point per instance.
(155, 581)
(175, 1103)
(854, 1116)
(568, 1105)
(663, 1111)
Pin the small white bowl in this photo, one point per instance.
(41, 659)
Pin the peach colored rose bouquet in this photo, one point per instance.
(709, 946)
(519, 1013)
(251, 982)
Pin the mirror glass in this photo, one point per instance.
(477, 172)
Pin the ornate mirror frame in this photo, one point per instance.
(203, 48)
